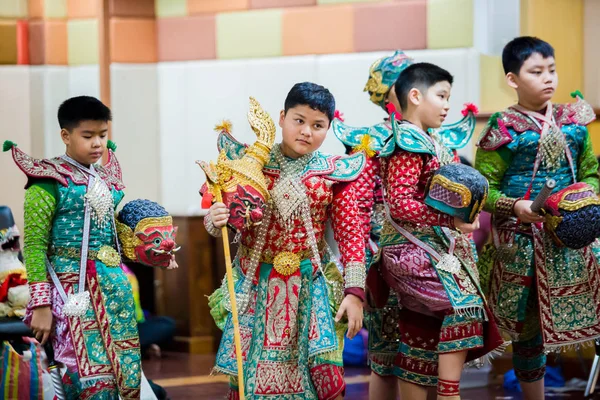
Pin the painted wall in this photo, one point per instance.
(561, 23)
(180, 66)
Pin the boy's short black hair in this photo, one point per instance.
(82, 108)
(518, 50)
(421, 76)
(310, 94)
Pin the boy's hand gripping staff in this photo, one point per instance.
(241, 185)
(542, 196)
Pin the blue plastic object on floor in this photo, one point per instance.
(355, 350)
(510, 381)
(553, 378)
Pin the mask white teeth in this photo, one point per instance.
(159, 251)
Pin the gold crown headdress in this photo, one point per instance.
(227, 174)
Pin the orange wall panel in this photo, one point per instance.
(133, 40)
(37, 43)
(215, 6)
(56, 42)
(48, 42)
(186, 38)
(281, 3)
(318, 30)
(390, 26)
(82, 8)
(22, 42)
(132, 8)
(36, 8)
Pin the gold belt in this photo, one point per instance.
(285, 262)
(269, 258)
(107, 254)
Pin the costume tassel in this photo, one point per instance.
(8, 145)
(577, 94)
(111, 145)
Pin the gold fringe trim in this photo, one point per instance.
(581, 344)
(488, 358)
(472, 312)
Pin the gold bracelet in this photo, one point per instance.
(505, 206)
(211, 228)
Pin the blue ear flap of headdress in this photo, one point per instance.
(380, 136)
(234, 150)
(457, 135)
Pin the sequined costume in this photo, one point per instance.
(100, 348)
(382, 322)
(546, 297)
(430, 266)
(288, 288)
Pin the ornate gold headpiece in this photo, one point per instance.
(227, 174)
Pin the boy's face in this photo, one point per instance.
(303, 129)
(537, 79)
(434, 105)
(87, 142)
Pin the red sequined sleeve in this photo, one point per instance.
(348, 234)
(364, 187)
(404, 196)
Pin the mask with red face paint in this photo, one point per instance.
(146, 233)
(239, 183)
(246, 206)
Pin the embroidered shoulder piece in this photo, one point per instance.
(496, 134)
(234, 150)
(59, 170)
(111, 171)
(580, 113)
(373, 140)
(347, 168)
(412, 139)
(336, 168)
(456, 136)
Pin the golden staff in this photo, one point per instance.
(226, 176)
(234, 313)
(215, 189)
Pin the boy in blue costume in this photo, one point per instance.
(80, 298)
(542, 294)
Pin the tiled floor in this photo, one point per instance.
(187, 377)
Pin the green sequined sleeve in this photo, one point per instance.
(493, 165)
(40, 204)
(587, 165)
